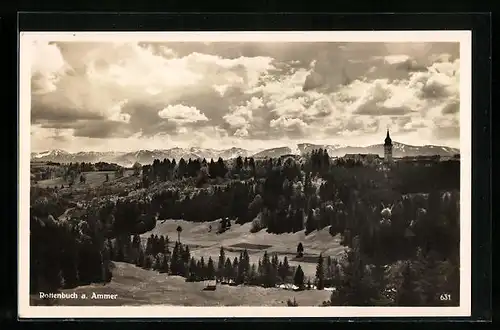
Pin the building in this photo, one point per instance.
(388, 149)
(365, 159)
(420, 160)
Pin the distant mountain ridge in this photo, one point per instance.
(147, 156)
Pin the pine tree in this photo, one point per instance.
(70, 270)
(251, 164)
(183, 261)
(286, 267)
(228, 269)
(240, 271)
(221, 168)
(406, 294)
(355, 287)
(220, 265)
(167, 243)
(111, 249)
(298, 278)
(320, 273)
(300, 250)
(165, 267)
(426, 285)
(298, 220)
(267, 270)
(149, 245)
(192, 271)
(161, 244)
(198, 269)
(141, 259)
(136, 241)
(210, 269)
(252, 275)
(245, 261)
(260, 270)
(118, 249)
(186, 254)
(274, 269)
(235, 273)
(203, 270)
(129, 256)
(329, 271)
(148, 263)
(380, 285)
(310, 222)
(336, 276)
(291, 303)
(157, 263)
(108, 274)
(175, 260)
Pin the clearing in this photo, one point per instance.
(207, 244)
(136, 286)
(93, 179)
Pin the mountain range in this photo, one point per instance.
(147, 156)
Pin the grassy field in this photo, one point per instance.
(207, 244)
(51, 183)
(93, 179)
(136, 286)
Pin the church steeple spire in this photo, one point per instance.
(388, 140)
(388, 148)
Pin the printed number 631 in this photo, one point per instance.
(445, 297)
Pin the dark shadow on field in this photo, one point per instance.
(312, 259)
(250, 246)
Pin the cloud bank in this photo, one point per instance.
(126, 96)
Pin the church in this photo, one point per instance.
(388, 149)
(374, 159)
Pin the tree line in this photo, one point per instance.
(201, 169)
(66, 254)
(157, 255)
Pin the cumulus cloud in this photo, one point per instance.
(181, 114)
(452, 107)
(48, 65)
(320, 108)
(380, 98)
(90, 81)
(395, 59)
(291, 127)
(313, 81)
(241, 94)
(241, 132)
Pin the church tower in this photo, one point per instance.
(388, 149)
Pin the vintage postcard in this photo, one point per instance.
(245, 174)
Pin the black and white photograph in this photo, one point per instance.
(186, 173)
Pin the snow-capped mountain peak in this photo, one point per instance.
(148, 156)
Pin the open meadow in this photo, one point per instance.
(135, 286)
(93, 179)
(205, 243)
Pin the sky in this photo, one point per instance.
(103, 96)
